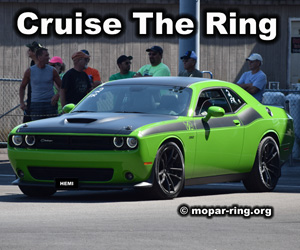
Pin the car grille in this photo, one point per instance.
(83, 174)
(74, 142)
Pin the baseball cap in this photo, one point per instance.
(254, 57)
(85, 51)
(189, 54)
(79, 55)
(34, 46)
(56, 59)
(156, 49)
(123, 58)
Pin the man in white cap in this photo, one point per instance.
(189, 60)
(254, 81)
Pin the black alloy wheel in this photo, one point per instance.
(168, 171)
(266, 170)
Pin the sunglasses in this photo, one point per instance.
(187, 59)
(55, 64)
(253, 61)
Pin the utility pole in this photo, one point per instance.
(192, 8)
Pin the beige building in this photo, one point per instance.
(223, 55)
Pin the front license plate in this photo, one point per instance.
(66, 183)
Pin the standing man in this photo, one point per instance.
(254, 81)
(41, 77)
(189, 60)
(32, 48)
(156, 67)
(57, 63)
(76, 83)
(93, 74)
(123, 63)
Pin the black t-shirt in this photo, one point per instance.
(77, 84)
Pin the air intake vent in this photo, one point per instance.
(83, 174)
(81, 120)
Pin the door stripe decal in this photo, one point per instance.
(246, 117)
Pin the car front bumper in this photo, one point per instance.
(83, 165)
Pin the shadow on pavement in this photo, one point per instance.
(126, 195)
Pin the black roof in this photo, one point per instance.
(167, 80)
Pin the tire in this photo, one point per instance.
(37, 191)
(266, 169)
(168, 172)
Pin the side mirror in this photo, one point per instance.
(214, 111)
(68, 108)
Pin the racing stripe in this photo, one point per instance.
(219, 122)
(246, 117)
(165, 128)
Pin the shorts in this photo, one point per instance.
(42, 110)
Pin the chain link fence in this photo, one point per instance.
(290, 100)
(10, 113)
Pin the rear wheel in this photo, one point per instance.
(266, 169)
(168, 171)
(37, 191)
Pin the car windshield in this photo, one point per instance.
(150, 99)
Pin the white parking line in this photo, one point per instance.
(7, 175)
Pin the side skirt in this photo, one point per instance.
(215, 179)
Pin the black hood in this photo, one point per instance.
(101, 123)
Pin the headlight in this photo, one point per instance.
(118, 142)
(30, 140)
(17, 139)
(132, 142)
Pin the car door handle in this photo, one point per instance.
(237, 122)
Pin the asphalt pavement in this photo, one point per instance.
(125, 219)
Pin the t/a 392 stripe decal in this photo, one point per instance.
(246, 117)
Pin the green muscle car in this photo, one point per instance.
(156, 133)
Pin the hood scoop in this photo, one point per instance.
(81, 120)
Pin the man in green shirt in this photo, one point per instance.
(156, 67)
(124, 63)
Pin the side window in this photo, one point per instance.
(211, 97)
(235, 101)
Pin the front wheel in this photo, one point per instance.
(168, 171)
(266, 169)
(37, 191)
